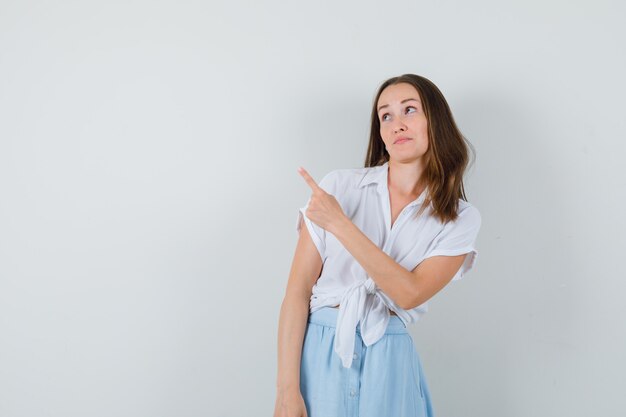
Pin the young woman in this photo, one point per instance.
(379, 242)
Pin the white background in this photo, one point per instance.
(149, 196)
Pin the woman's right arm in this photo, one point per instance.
(305, 270)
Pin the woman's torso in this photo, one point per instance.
(390, 220)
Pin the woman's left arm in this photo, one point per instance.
(408, 289)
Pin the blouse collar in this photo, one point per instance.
(378, 175)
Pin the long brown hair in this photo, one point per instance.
(447, 156)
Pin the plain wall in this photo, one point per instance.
(149, 196)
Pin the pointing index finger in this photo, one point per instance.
(309, 180)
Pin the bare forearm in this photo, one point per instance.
(294, 313)
(391, 277)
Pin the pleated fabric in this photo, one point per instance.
(386, 379)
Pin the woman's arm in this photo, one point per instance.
(294, 311)
(407, 289)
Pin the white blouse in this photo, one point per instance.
(364, 198)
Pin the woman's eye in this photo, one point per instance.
(383, 117)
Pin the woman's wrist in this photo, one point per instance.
(287, 388)
(341, 226)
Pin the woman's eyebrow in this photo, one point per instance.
(403, 101)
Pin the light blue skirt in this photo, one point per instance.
(386, 379)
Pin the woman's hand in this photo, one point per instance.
(289, 403)
(323, 210)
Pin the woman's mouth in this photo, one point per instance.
(401, 140)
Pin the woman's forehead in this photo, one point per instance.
(397, 93)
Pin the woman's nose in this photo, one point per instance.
(399, 127)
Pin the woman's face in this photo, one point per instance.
(401, 117)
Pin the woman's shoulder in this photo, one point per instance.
(468, 212)
(342, 178)
(465, 205)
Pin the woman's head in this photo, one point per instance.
(402, 125)
(412, 106)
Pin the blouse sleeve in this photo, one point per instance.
(318, 234)
(459, 237)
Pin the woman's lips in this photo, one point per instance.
(400, 141)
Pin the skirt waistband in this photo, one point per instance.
(327, 316)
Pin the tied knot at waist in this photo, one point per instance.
(360, 303)
(370, 286)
